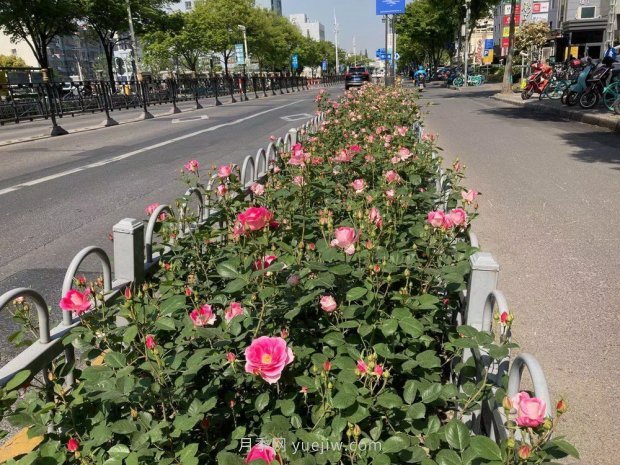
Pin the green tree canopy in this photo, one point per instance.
(37, 22)
(11, 61)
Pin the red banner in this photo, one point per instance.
(505, 42)
(506, 21)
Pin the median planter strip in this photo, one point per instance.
(314, 316)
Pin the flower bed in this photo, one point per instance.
(319, 328)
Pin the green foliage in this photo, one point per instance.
(37, 22)
(531, 37)
(376, 371)
(10, 61)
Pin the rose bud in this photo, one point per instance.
(524, 451)
(561, 407)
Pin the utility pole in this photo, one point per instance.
(393, 67)
(354, 53)
(336, 42)
(134, 64)
(386, 19)
(467, 18)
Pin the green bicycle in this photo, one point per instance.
(611, 93)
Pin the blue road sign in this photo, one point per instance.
(240, 54)
(379, 52)
(295, 61)
(386, 56)
(488, 44)
(390, 7)
(324, 65)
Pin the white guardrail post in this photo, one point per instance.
(129, 251)
(482, 282)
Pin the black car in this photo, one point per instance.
(356, 76)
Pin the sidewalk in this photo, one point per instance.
(599, 116)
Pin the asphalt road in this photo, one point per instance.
(58, 195)
(550, 214)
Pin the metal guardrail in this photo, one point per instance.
(43, 100)
(134, 261)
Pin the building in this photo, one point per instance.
(481, 42)
(78, 57)
(312, 29)
(183, 5)
(273, 5)
(578, 27)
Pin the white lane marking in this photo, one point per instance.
(189, 118)
(296, 117)
(51, 177)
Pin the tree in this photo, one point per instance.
(507, 81)
(11, 61)
(218, 25)
(37, 22)
(272, 43)
(532, 37)
(109, 21)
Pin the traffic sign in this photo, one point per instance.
(324, 65)
(379, 52)
(397, 56)
(390, 7)
(295, 61)
(240, 54)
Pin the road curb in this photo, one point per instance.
(137, 120)
(573, 115)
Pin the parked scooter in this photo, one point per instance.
(538, 80)
(573, 93)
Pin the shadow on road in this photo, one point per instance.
(594, 145)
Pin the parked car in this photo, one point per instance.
(356, 76)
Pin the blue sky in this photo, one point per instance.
(356, 18)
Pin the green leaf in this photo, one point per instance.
(389, 400)
(17, 380)
(188, 454)
(448, 457)
(115, 360)
(261, 401)
(228, 458)
(287, 407)
(412, 326)
(457, 435)
(409, 391)
(485, 448)
(430, 393)
(343, 400)
(356, 293)
(563, 446)
(228, 270)
(130, 334)
(341, 270)
(235, 286)
(119, 451)
(172, 304)
(123, 427)
(166, 323)
(428, 359)
(416, 411)
(394, 444)
(389, 327)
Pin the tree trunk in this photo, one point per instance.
(225, 55)
(507, 83)
(109, 58)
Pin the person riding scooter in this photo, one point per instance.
(420, 77)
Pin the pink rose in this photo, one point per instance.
(267, 357)
(402, 130)
(531, 411)
(75, 301)
(375, 217)
(261, 452)
(345, 238)
(224, 171)
(362, 367)
(328, 303)
(436, 218)
(344, 156)
(299, 181)
(203, 316)
(355, 148)
(390, 194)
(369, 158)
(192, 166)
(392, 176)
(264, 263)
(233, 310)
(257, 189)
(231, 357)
(255, 218)
(404, 153)
(73, 445)
(151, 208)
(221, 190)
(358, 185)
(458, 217)
(149, 342)
(469, 196)
(378, 370)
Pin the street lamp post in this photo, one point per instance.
(467, 18)
(245, 57)
(134, 64)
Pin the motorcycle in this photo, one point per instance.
(596, 83)
(572, 94)
(538, 80)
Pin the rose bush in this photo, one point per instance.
(322, 314)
